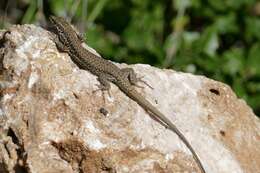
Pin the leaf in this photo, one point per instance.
(97, 10)
(190, 37)
(209, 41)
(233, 61)
(144, 34)
(181, 4)
(96, 38)
(252, 28)
(30, 13)
(226, 23)
(254, 101)
(253, 60)
(239, 87)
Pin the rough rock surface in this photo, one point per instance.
(51, 120)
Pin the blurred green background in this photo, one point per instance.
(216, 38)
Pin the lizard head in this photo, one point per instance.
(63, 29)
(59, 23)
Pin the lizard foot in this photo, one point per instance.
(103, 92)
(140, 79)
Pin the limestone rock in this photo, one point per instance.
(51, 120)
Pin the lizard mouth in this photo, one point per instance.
(58, 22)
(53, 25)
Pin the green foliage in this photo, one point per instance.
(216, 38)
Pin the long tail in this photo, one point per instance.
(138, 98)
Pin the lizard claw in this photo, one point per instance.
(100, 88)
(140, 79)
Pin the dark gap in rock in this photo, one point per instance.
(3, 39)
(75, 95)
(103, 111)
(20, 169)
(13, 136)
(214, 91)
(3, 168)
(222, 132)
(22, 157)
(2, 50)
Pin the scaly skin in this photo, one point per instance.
(69, 41)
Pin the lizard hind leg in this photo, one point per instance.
(133, 79)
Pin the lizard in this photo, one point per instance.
(68, 40)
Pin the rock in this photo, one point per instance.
(51, 120)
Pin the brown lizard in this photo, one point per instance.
(125, 79)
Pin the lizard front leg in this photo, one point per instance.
(61, 47)
(105, 80)
(81, 37)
